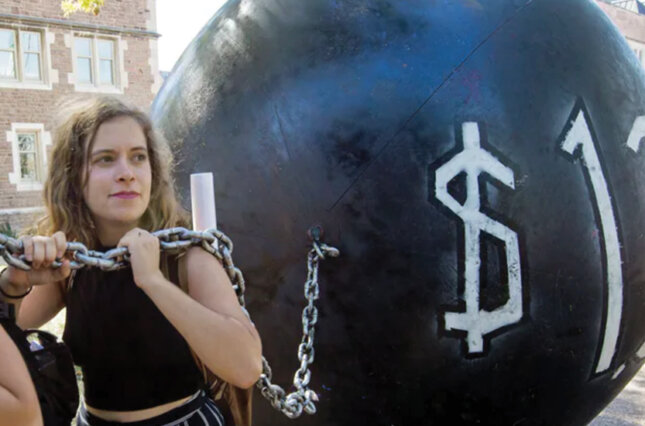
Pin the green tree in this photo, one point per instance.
(87, 6)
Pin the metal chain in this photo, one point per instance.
(215, 242)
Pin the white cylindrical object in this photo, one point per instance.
(202, 200)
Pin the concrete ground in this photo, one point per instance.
(628, 409)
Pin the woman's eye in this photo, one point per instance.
(140, 157)
(103, 159)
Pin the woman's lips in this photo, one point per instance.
(126, 195)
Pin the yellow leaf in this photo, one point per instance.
(87, 6)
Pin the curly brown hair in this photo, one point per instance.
(65, 208)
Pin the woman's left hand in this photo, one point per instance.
(144, 256)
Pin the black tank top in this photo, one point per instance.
(131, 357)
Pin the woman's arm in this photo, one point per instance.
(39, 306)
(209, 285)
(211, 319)
(18, 400)
(46, 298)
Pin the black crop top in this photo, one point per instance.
(131, 357)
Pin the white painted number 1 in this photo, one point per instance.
(580, 136)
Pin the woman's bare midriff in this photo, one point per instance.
(136, 415)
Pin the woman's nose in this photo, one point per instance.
(124, 171)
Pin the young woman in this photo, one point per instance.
(131, 331)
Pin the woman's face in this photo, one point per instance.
(117, 185)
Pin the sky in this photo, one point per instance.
(178, 22)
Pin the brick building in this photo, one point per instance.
(45, 57)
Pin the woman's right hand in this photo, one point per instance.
(41, 252)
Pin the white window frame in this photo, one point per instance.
(112, 59)
(35, 152)
(92, 59)
(47, 74)
(24, 52)
(16, 54)
(118, 72)
(42, 141)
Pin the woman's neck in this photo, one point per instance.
(109, 236)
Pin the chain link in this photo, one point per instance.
(175, 240)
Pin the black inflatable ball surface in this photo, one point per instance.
(477, 163)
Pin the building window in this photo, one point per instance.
(31, 53)
(83, 47)
(95, 61)
(21, 55)
(106, 61)
(7, 54)
(28, 141)
(28, 156)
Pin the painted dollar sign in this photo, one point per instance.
(474, 160)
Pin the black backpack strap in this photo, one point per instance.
(18, 336)
(7, 311)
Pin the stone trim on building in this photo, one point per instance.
(24, 210)
(78, 26)
(43, 141)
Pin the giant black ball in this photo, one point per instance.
(470, 159)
